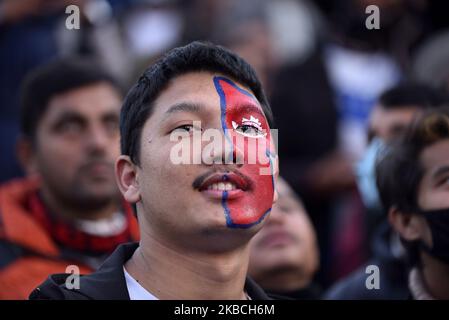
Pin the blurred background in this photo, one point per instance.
(321, 67)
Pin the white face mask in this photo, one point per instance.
(366, 174)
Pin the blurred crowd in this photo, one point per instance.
(340, 93)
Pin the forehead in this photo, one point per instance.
(87, 100)
(435, 156)
(197, 88)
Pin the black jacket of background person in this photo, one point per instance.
(108, 283)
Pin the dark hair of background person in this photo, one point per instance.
(414, 94)
(196, 56)
(57, 77)
(399, 171)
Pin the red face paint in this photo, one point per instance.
(240, 111)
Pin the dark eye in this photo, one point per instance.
(189, 128)
(250, 131)
(444, 182)
(70, 127)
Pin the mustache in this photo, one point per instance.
(201, 178)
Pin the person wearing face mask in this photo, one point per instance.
(390, 118)
(413, 182)
(393, 112)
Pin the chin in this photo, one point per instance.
(95, 200)
(221, 231)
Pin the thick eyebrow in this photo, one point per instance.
(68, 116)
(440, 171)
(75, 116)
(183, 107)
(111, 115)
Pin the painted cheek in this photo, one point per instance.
(256, 204)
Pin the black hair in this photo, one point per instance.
(56, 77)
(196, 56)
(412, 94)
(399, 171)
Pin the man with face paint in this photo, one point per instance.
(196, 218)
(412, 180)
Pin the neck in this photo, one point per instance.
(174, 273)
(71, 213)
(436, 276)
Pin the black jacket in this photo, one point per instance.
(108, 283)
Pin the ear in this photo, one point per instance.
(127, 179)
(406, 224)
(25, 153)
